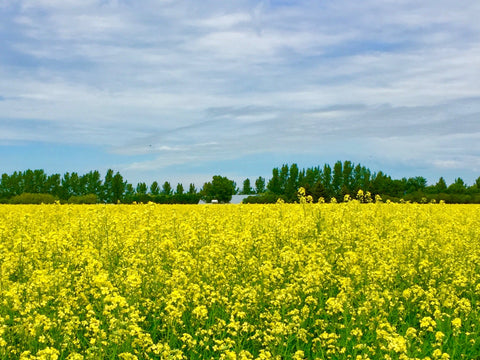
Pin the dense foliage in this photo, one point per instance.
(32, 187)
(320, 182)
(220, 189)
(286, 281)
(347, 179)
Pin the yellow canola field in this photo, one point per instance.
(284, 281)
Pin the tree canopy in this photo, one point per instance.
(325, 182)
(220, 188)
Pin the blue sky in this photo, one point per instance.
(183, 90)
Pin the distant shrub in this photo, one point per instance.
(420, 197)
(267, 198)
(163, 199)
(28, 198)
(186, 198)
(83, 199)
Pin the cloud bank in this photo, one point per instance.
(175, 83)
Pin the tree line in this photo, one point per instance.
(35, 186)
(347, 178)
(320, 182)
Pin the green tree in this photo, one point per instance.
(118, 188)
(274, 185)
(247, 188)
(129, 190)
(337, 179)
(417, 183)
(457, 187)
(475, 188)
(357, 179)
(75, 185)
(67, 189)
(39, 181)
(6, 189)
(220, 188)
(180, 190)
(260, 185)
(17, 183)
(348, 177)
(107, 193)
(93, 183)
(28, 182)
(326, 179)
(397, 188)
(283, 178)
(192, 190)
(441, 186)
(53, 185)
(380, 183)
(291, 186)
(141, 188)
(154, 188)
(83, 187)
(167, 188)
(319, 191)
(365, 179)
(312, 175)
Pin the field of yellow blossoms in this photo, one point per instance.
(282, 281)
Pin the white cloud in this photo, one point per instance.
(164, 78)
(224, 21)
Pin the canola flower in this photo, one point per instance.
(284, 281)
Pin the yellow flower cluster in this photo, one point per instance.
(354, 280)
